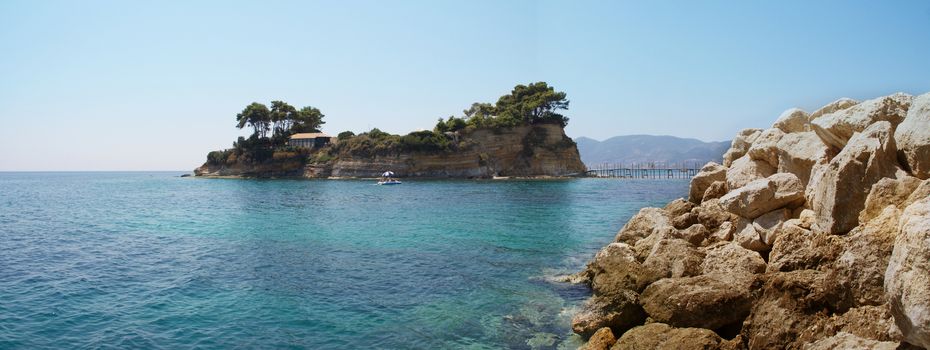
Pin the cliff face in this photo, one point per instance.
(814, 233)
(524, 151)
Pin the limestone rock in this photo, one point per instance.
(706, 301)
(843, 185)
(678, 207)
(807, 218)
(714, 191)
(728, 257)
(769, 225)
(843, 341)
(907, 279)
(790, 304)
(603, 339)
(766, 147)
(684, 221)
(711, 215)
(746, 236)
(745, 170)
(870, 322)
(913, 137)
(835, 129)
(834, 106)
(663, 336)
(862, 264)
(723, 233)
(800, 249)
(740, 145)
(799, 152)
(615, 269)
(618, 312)
(709, 173)
(644, 224)
(885, 192)
(764, 195)
(793, 120)
(694, 234)
(674, 258)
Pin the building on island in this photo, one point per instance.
(309, 140)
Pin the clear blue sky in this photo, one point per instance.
(131, 85)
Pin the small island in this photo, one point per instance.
(521, 135)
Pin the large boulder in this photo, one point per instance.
(799, 249)
(663, 336)
(619, 312)
(616, 269)
(766, 147)
(674, 258)
(711, 215)
(885, 192)
(799, 152)
(769, 225)
(710, 173)
(790, 304)
(861, 266)
(603, 339)
(678, 207)
(792, 120)
(764, 195)
(835, 129)
(842, 186)
(745, 170)
(729, 257)
(834, 106)
(644, 224)
(740, 145)
(844, 341)
(913, 137)
(907, 279)
(706, 301)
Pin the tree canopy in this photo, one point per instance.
(536, 103)
(282, 120)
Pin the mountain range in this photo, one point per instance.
(650, 148)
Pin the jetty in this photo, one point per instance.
(644, 170)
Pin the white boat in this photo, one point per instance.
(390, 182)
(387, 178)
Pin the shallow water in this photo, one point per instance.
(149, 260)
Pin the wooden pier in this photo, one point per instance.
(644, 170)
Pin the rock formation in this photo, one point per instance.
(812, 234)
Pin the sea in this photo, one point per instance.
(151, 260)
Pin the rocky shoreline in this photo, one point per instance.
(812, 234)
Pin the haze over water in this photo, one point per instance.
(130, 260)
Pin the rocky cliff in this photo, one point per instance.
(813, 234)
(523, 151)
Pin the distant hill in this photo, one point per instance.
(649, 148)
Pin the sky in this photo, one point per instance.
(132, 85)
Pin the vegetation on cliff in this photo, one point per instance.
(536, 103)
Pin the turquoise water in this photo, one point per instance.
(149, 260)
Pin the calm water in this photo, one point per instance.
(148, 260)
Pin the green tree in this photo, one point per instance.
(441, 126)
(282, 117)
(534, 103)
(308, 119)
(345, 135)
(256, 116)
(479, 114)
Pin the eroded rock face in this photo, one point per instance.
(913, 137)
(835, 129)
(885, 192)
(728, 257)
(714, 191)
(799, 249)
(799, 152)
(711, 215)
(907, 279)
(834, 106)
(674, 258)
(843, 341)
(615, 269)
(746, 236)
(769, 225)
(745, 170)
(862, 264)
(843, 185)
(663, 336)
(707, 301)
(709, 174)
(619, 312)
(793, 120)
(766, 147)
(740, 145)
(765, 195)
